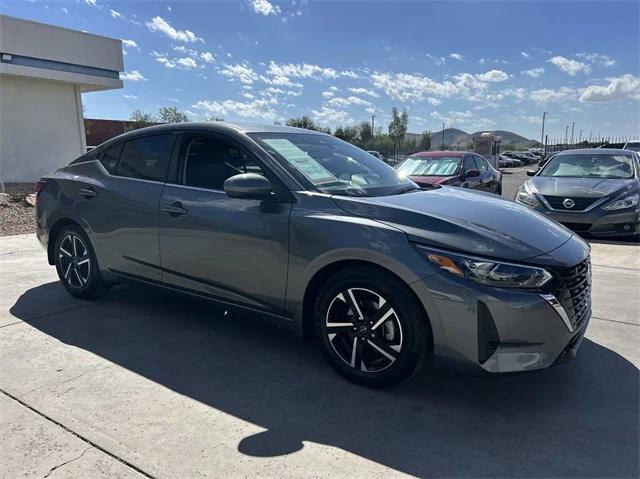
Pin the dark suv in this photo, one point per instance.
(319, 236)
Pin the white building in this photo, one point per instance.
(43, 72)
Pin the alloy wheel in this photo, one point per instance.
(74, 260)
(364, 330)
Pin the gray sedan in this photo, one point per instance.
(323, 239)
(591, 191)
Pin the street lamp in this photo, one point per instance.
(544, 114)
(566, 134)
(572, 129)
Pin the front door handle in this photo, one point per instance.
(174, 209)
(88, 193)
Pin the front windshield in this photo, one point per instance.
(430, 166)
(633, 147)
(593, 165)
(331, 165)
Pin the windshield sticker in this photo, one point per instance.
(301, 160)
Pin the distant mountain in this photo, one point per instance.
(458, 139)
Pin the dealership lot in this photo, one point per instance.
(145, 384)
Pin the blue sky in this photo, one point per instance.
(474, 65)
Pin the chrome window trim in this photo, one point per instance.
(555, 304)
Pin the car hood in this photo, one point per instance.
(431, 180)
(580, 187)
(464, 220)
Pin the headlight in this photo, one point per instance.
(627, 202)
(485, 271)
(525, 196)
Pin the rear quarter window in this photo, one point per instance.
(146, 158)
(110, 158)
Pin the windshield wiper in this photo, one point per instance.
(406, 189)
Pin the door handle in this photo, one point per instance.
(174, 209)
(88, 193)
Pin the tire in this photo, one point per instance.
(76, 263)
(387, 345)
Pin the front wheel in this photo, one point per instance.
(76, 263)
(372, 331)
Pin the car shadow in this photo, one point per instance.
(577, 420)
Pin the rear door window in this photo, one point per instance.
(146, 158)
(469, 164)
(110, 158)
(480, 162)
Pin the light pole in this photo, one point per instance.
(443, 125)
(544, 114)
(580, 140)
(373, 129)
(572, 129)
(566, 134)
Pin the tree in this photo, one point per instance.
(364, 134)
(347, 133)
(307, 123)
(411, 145)
(141, 119)
(170, 114)
(425, 141)
(398, 127)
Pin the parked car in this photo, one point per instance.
(522, 158)
(453, 168)
(632, 145)
(319, 236)
(376, 154)
(509, 162)
(594, 191)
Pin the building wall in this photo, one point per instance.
(41, 127)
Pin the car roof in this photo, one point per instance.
(591, 151)
(441, 153)
(213, 126)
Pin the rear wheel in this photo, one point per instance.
(371, 328)
(76, 263)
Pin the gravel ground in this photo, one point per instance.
(16, 215)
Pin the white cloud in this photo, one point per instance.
(130, 44)
(437, 60)
(133, 75)
(349, 101)
(525, 55)
(186, 62)
(115, 14)
(256, 109)
(300, 70)
(456, 56)
(330, 115)
(546, 95)
(482, 61)
(364, 91)
(183, 63)
(240, 72)
(207, 57)
(533, 72)
(571, 67)
(410, 87)
(264, 7)
(626, 86)
(91, 3)
(492, 76)
(598, 59)
(328, 94)
(453, 118)
(434, 101)
(159, 24)
(65, 10)
(130, 97)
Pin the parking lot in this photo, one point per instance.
(142, 383)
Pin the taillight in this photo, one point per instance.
(41, 183)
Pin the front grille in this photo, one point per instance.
(580, 204)
(575, 292)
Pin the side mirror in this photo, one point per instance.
(531, 173)
(472, 173)
(248, 186)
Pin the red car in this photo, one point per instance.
(453, 168)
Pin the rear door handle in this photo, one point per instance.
(174, 209)
(88, 193)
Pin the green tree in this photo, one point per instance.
(425, 141)
(347, 133)
(365, 134)
(170, 114)
(307, 123)
(141, 119)
(398, 127)
(411, 145)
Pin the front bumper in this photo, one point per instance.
(496, 330)
(597, 222)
